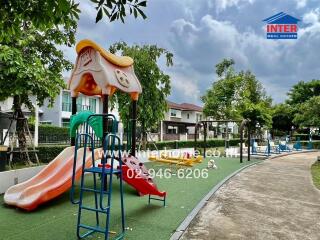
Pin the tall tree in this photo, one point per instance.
(282, 118)
(155, 83)
(302, 91)
(300, 98)
(308, 113)
(30, 62)
(237, 95)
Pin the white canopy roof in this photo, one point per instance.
(98, 72)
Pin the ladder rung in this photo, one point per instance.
(94, 209)
(96, 229)
(94, 190)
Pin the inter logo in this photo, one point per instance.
(282, 26)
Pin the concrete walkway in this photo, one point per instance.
(272, 200)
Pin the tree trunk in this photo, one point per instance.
(144, 136)
(20, 130)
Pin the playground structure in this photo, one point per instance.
(204, 123)
(252, 148)
(96, 72)
(184, 159)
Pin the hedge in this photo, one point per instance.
(50, 129)
(190, 144)
(315, 144)
(53, 134)
(305, 137)
(47, 153)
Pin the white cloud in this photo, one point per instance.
(224, 4)
(276, 63)
(184, 86)
(301, 3)
(312, 19)
(207, 31)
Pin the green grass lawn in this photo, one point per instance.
(315, 171)
(57, 219)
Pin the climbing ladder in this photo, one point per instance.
(102, 196)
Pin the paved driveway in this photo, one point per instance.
(272, 200)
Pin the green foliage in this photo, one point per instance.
(300, 109)
(305, 137)
(118, 9)
(155, 83)
(31, 31)
(303, 91)
(282, 117)
(30, 61)
(237, 96)
(47, 153)
(315, 144)
(20, 14)
(190, 144)
(51, 130)
(308, 113)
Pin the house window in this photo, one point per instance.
(92, 104)
(199, 117)
(65, 122)
(172, 130)
(173, 113)
(66, 102)
(79, 104)
(188, 116)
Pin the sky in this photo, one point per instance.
(200, 33)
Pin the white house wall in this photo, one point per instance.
(51, 114)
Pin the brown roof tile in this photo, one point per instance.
(184, 106)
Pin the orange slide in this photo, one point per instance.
(50, 182)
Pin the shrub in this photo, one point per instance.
(191, 144)
(315, 144)
(47, 153)
(305, 137)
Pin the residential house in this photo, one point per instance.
(180, 121)
(59, 114)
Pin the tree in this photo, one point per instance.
(50, 13)
(300, 98)
(237, 96)
(282, 118)
(155, 84)
(308, 113)
(30, 62)
(117, 9)
(303, 91)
